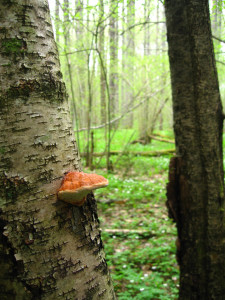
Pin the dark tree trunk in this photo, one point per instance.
(196, 187)
(48, 249)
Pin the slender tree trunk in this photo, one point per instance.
(157, 30)
(102, 71)
(57, 20)
(66, 23)
(147, 36)
(144, 123)
(217, 25)
(216, 17)
(66, 34)
(196, 188)
(89, 85)
(123, 103)
(129, 45)
(89, 114)
(80, 62)
(130, 57)
(48, 249)
(113, 48)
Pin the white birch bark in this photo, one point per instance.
(48, 249)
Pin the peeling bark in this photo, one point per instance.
(48, 249)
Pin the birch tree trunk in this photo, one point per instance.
(196, 188)
(48, 249)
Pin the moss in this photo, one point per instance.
(6, 164)
(2, 102)
(11, 188)
(2, 150)
(221, 192)
(12, 45)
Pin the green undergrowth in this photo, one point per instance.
(138, 236)
(123, 139)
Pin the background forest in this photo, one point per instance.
(115, 64)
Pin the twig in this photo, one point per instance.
(125, 113)
(221, 62)
(160, 139)
(141, 23)
(218, 39)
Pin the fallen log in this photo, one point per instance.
(150, 137)
(142, 232)
(154, 137)
(134, 153)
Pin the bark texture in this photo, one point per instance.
(196, 188)
(48, 249)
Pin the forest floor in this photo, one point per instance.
(139, 238)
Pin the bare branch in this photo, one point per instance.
(221, 62)
(218, 39)
(146, 98)
(141, 23)
(77, 51)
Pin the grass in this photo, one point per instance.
(141, 258)
(121, 138)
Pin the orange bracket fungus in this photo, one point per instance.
(76, 185)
